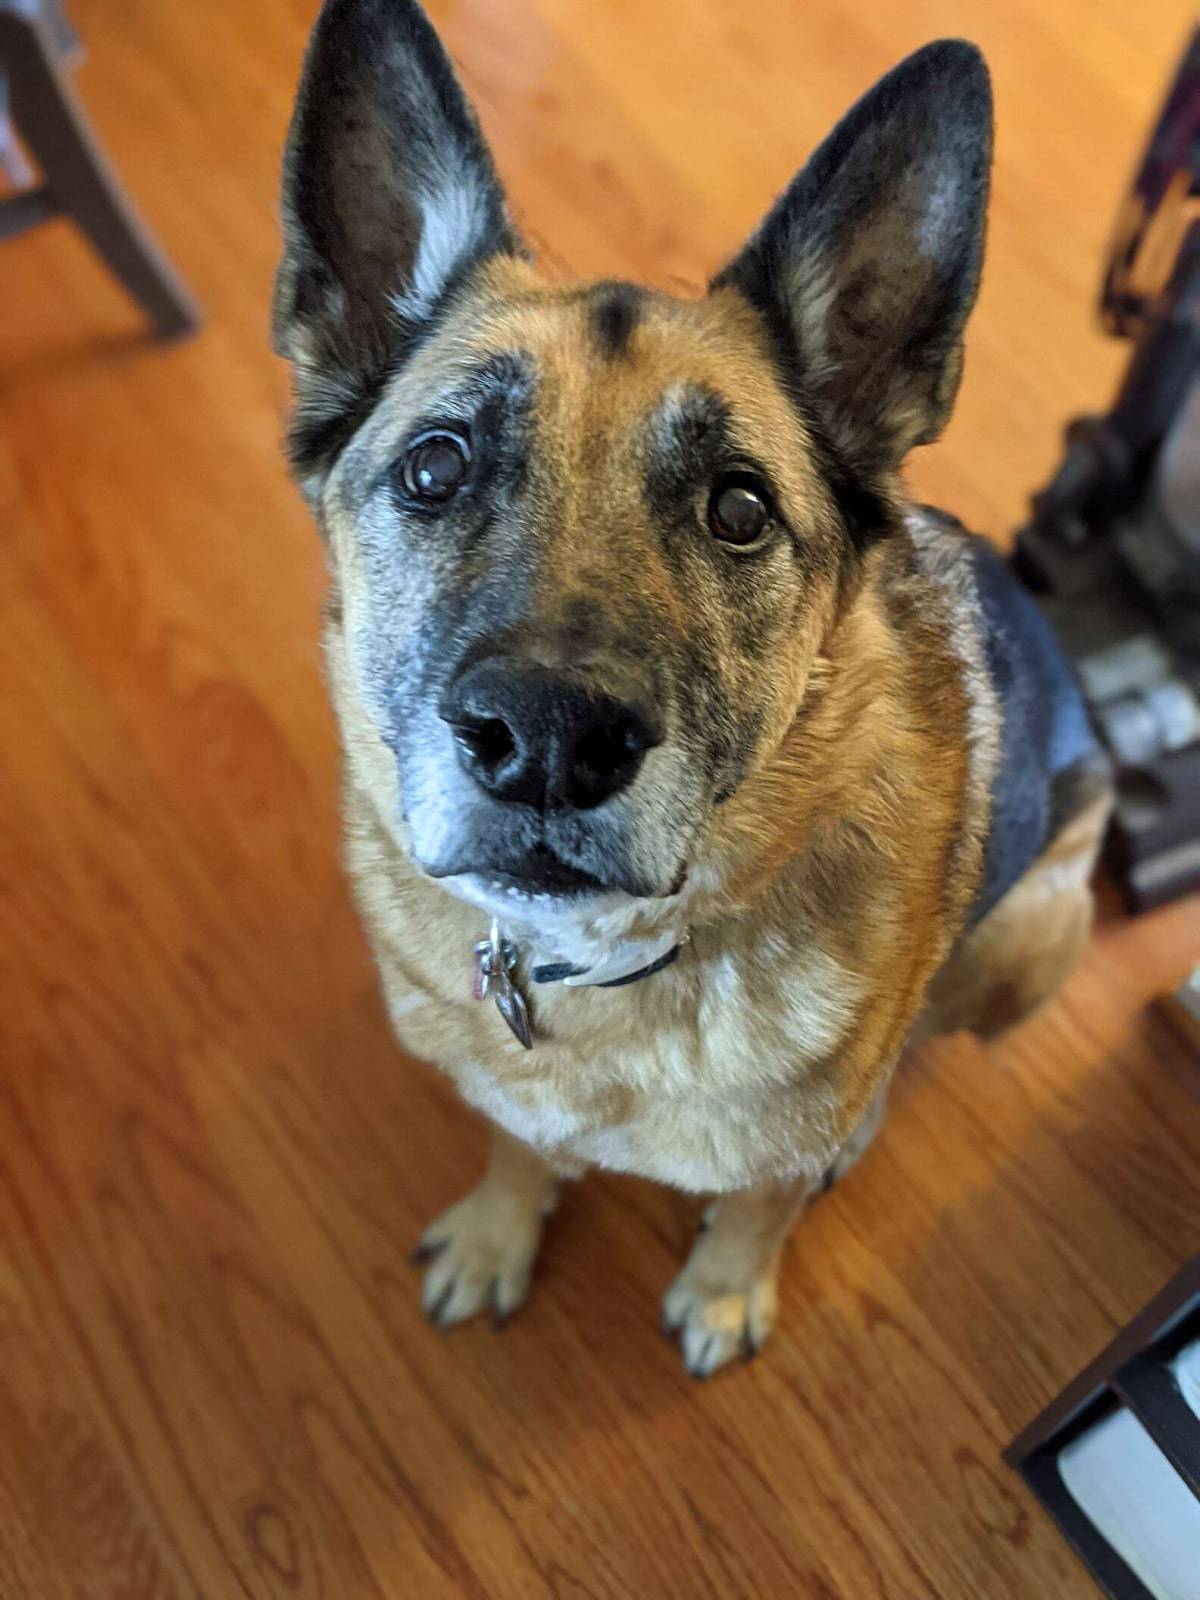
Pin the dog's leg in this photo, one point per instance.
(724, 1301)
(481, 1251)
(1024, 949)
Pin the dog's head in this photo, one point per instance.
(590, 541)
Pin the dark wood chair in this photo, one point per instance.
(37, 45)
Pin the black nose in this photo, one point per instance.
(535, 737)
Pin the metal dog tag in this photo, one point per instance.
(495, 959)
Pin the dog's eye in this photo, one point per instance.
(435, 468)
(739, 509)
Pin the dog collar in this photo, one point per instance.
(626, 962)
(582, 977)
(496, 961)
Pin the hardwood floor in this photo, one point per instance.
(214, 1377)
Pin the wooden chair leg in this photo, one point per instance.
(79, 177)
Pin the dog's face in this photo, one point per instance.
(586, 558)
(589, 541)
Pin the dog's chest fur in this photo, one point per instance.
(710, 1074)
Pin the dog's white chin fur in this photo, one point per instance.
(578, 928)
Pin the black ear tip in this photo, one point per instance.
(370, 11)
(951, 66)
(375, 24)
(958, 53)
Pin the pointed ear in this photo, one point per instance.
(389, 200)
(867, 266)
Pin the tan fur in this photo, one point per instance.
(725, 1300)
(818, 912)
(482, 1250)
(816, 731)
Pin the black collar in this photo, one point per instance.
(556, 971)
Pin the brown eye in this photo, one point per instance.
(435, 468)
(739, 510)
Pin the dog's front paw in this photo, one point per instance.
(480, 1254)
(718, 1313)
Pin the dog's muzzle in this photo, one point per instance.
(546, 754)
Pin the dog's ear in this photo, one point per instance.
(389, 199)
(868, 264)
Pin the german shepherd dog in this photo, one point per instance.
(690, 768)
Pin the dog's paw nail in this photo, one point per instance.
(500, 1315)
(436, 1312)
(700, 1366)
